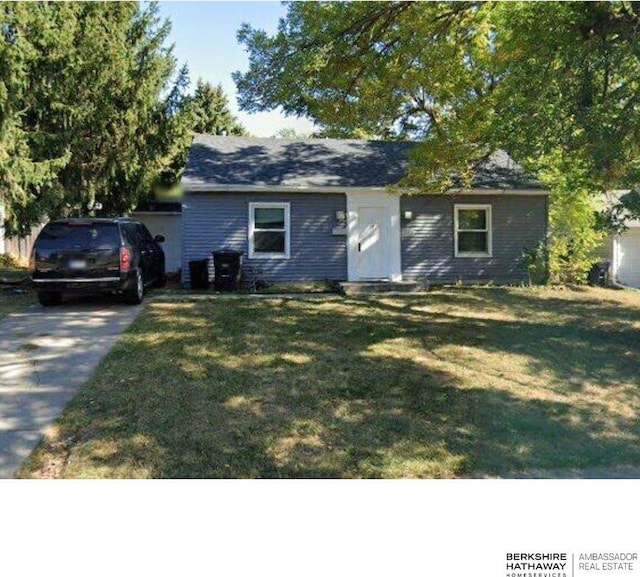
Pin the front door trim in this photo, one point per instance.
(388, 201)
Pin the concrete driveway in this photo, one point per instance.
(46, 355)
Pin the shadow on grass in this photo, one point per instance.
(377, 387)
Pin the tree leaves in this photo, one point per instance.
(209, 111)
(83, 112)
(385, 68)
(92, 109)
(556, 84)
(532, 77)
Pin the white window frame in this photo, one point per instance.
(287, 229)
(489, 230)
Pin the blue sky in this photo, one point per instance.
(204, 34)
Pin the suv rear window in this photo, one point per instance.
(91, 235)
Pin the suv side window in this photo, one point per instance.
(144, 233)
(130, 235)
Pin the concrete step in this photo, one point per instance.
(378, 287)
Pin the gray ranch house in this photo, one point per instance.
(315, 210)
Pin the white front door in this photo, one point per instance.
(373, 238)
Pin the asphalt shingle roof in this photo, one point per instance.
(238, 161)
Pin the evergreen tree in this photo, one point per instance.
(209, 109)
(84, 119)
(205, 111)
(22, 170)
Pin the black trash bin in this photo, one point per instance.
(599, 274)
(199, 273)
(228, 268)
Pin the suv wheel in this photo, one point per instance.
(49, 299)
(135, 294)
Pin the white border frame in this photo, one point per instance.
(489, 231)
(287, 230)
(385, 200)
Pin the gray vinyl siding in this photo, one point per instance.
(214, 221)
(519, 223)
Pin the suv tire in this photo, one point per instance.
(134, 295)
(49, 299)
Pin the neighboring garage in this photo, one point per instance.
(621, 251)
(625, 261)
(164, 218)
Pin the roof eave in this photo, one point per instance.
(205, 187)
(336, 189)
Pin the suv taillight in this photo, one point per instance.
(125, 259)
(32, 261)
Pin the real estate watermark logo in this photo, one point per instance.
(607, 562)
(539, 564)
(565, 564)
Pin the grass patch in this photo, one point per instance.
(13, 298)
(328, 287)
(460, 382)
(14, 302)
(302, 288)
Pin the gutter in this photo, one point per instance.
(203, 187)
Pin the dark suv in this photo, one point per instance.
(93, 255)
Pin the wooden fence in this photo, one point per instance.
(21, 247)
(18, 246)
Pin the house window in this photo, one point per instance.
(472, 234)
(269, 227)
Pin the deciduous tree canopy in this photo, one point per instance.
(557, 84)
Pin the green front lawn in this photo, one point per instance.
(12, 298)
(458, 382)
